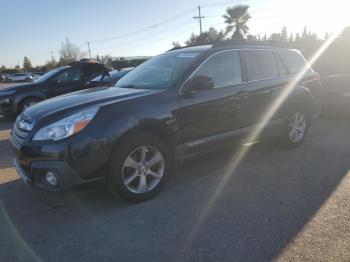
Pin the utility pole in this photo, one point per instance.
(199, 17)
(51, 52)
(88, 44)
(68, 48)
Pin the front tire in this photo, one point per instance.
(295, 128)
(139, 168)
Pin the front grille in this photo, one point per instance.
(21, 129)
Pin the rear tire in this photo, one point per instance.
(295, 128)
(139, 167)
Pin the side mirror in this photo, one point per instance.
(200, 83)
(55, 82)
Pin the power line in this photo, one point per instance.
(151, 27)
(128, 42)
(163, 38)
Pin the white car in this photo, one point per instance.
(19, 77)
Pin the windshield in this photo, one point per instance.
(106, 78)
(48, 75)
(159, 72)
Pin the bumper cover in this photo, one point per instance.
(35, 176)
(7, 109)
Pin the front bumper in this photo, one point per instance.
(7, 109)
(66, 177)
(74, 161)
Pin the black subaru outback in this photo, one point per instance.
(174, 106)
(62, 80)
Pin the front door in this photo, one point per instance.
(68, 81)
(210, 112)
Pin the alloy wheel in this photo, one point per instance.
(297, 127)
(143, 169)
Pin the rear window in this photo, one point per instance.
(281, 67)
(260, 64)
(293, 62)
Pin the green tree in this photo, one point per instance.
(208, 37)
(297, 39)
(276, 37)
(176, 44)
(27, 65)
(291, 38)
(284, 34)
(236, 18)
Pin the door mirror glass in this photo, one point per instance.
(200, 83)
(55, 82)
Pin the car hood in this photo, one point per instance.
(74, 102)
(18, 87)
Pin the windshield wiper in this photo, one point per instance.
(129, 86)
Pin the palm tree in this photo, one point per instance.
(237, 17)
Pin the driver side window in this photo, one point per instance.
(223, 69)
(70, 75)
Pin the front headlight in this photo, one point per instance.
(67, 126)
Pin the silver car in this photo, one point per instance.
(19, 77)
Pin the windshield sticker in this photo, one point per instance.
(188, 55)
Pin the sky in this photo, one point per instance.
(34, 28)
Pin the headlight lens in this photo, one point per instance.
(67, 126)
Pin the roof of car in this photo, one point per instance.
(228, 44)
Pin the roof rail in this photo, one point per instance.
(230, 42)
(176, 48)
(246, 43)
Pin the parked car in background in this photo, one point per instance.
(111, 79)
(62, 80)
(3, 78)
(172, 107)
(35, 77)
(39, 73)
(19, 77)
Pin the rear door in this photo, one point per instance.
(264, 86)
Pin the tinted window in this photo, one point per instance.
(49, 75)
(281, 67)
(69, 75)
(293, 62)
(224, 69)
(260, 64)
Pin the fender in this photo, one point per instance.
(20, 98)
(300, 97)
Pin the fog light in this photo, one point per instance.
(51, 178)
